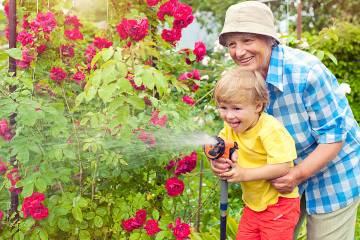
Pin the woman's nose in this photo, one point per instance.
(239, 51)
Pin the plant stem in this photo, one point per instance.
(77, 141)
(197, 222)
(206, 94)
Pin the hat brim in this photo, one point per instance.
(247, 27)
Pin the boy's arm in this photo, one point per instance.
(267, 172)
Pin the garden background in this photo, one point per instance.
(101, 126)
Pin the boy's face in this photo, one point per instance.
(240, 117)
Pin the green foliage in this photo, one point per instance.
(81, 145)
(338, 48)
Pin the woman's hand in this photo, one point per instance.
(288, 182)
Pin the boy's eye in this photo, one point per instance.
(237, 109)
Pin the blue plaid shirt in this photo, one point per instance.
(305, 97)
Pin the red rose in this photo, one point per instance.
(1, 215)
(72, 20)
(67, 50)
(57, 74)
(172, 35)
(186, 164)
(152, 3)
(155, 120)
(101, 43)
(78, 77)
(174, 186)
(181, 230)
(199, 51)
(25, 38)
(32, 206)
(140, 216)
(152, 227)
(4, 126)
(188, 100)
(74, 34)
(90, 52)
(135, 29)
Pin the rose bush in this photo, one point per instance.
(92, 112)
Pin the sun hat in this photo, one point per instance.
(249, 17)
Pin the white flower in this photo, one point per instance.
(218, 47)
(344, 88)
(205, 77)
(227, 57)
(206, 60)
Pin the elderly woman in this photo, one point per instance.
(305, 97)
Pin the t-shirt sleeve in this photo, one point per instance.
(279, 146)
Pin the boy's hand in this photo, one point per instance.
(219, 166)
(235, 174)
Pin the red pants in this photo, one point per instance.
(277, 222)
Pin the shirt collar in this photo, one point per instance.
(275, 72)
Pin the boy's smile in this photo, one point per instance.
(240, 117)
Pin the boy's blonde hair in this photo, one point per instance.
(241, 86)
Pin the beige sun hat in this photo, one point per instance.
(249, 17)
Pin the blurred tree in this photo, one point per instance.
(317, 14)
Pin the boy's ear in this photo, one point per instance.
(259, 107)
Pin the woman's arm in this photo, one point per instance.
(318, 159)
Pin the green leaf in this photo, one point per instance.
(90, 94)
(18, 236)
(155, 214)
(28, 189)
(84, 235)
(320, 54)
(123, 114)
(64, 225)
(76, 211)
(106, 92)
(42, 234)
(107, 53)
(95, 59)
(98, 222)
(15, 53)
(136, 102)
(89, 215)
(101, 211)
(27, 224)
(332, 57)
(82, 202)
(40, 184)
(124, 85)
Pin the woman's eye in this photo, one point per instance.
(248, 40)
(231, 45)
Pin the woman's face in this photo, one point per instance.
(251, 52)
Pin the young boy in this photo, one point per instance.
(266, 151)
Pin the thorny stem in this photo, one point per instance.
(206, 94)
(205, 200)
(77, 141)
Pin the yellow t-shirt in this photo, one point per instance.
(268, 142)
